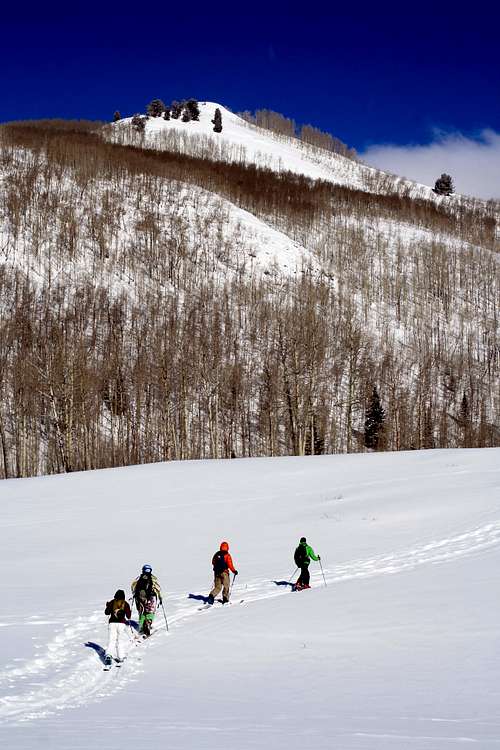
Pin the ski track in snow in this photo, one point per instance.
(69, 675)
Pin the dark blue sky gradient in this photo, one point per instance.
(367, 73)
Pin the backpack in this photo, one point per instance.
(301, 557)
(219, 562)
(118, 610)
(144, 584)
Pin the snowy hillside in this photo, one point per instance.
(401, 649)
(242, 141)
(162, 297)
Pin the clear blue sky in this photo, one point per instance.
(369, 73)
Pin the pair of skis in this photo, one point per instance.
(110, 662)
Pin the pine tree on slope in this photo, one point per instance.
(139, 123)
(117, 116)
(374, 422)
(217, 121)
(155, 108)
(175, 110)
(444, 185)
(194, 110)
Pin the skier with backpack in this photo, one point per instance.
(146, 591)
(303, 556)
(222, 563)
(119, 613)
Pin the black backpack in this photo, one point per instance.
(219, 562)
(301, 557)
(144, 584)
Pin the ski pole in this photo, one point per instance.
(292, 576)
(232, 584)
(322, 570)
(164, 615)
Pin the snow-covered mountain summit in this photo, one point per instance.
(245, 142)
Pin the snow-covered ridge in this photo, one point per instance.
(244, 142)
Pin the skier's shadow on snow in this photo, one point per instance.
(283, 583)
(100, 651)
(199, 598)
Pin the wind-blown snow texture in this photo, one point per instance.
(400, 650)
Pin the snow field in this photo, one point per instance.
(400, 649)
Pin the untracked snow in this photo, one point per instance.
(399, 650)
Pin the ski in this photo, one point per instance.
(108, 664)
(218, 601)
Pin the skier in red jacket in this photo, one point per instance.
(222, 563)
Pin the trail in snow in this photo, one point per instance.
(69, 675)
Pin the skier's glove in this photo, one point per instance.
(319, 558)
(161, 602)
(235, 572)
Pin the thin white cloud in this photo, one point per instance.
(474, 163)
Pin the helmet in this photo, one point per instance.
(147, 569)
(120, 594)
(302, 540)
(224, 547)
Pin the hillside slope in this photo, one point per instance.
(400, 647)
(171, 300)
(242, 141)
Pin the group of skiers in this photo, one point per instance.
(146, 594)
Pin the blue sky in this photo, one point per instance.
(369, 73)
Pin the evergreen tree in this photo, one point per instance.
(217, 121)
(155, 108)
(374, 422)
(444, 185)
(465, 421)
(166, 114)
(175, 110)
(194, 110)
(186, 115)
(139, 123)
(117, 116)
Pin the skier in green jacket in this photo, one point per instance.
(303, 556)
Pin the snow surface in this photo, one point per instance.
(400, 650)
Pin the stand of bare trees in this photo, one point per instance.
(134, 327)
(278, 123)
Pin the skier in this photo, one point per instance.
(303, 555)
(222, 563)
(146, 591)
(119, 635)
